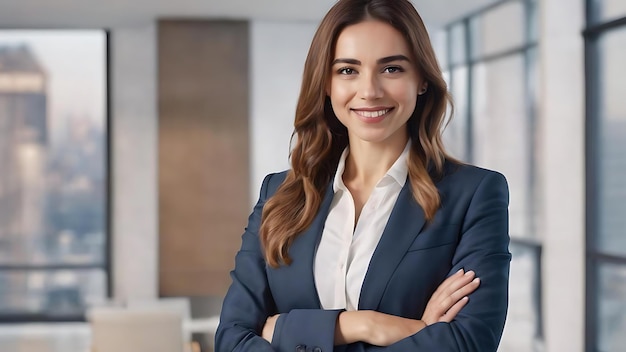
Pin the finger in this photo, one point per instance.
(451, 285)
(446, 302)
(464, 291)
(467, 289)
(459, 282)
(449, 293)
(454, 310)
(450, 280)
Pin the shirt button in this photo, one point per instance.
(317, 349)
(301, 348)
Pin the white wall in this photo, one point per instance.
(562, 173)
(278, 51)
(134, 161)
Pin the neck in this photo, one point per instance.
(367, 162)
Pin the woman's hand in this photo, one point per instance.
(450, 297)
(268, 328)
(385, 329)
(374, 327)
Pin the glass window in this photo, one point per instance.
(522, 326)
(612, 143)
(439, 40)
(53, 184)
(487, 34)
(533, 18)
(612, 307)
(50, 292)
(455, 134)
(501, 131)
(607, 10)
(499, 94)
(457, 44)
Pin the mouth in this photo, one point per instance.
(372, 113)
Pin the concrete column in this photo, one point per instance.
(134, 162)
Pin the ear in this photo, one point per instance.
(424, 88)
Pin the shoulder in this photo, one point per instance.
(469, 178)
(468, 172)
(271, 182)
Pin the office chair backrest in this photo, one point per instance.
(119, 330)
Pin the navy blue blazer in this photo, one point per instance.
(412, 259)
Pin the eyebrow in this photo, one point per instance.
(384, 60)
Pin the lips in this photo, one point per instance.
(371, 113)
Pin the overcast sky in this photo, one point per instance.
(75, 63)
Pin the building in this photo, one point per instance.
(23, 139)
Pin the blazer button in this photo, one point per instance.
(317, 349)
(301, 348)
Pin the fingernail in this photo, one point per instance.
(460, 271)
(476, 280)
(469, 273)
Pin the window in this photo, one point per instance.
(492, 75)
(54, 257)
(605, 36)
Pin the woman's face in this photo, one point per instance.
(374, 85)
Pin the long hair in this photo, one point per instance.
(321, 138)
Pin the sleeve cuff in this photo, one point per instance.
(307, 329)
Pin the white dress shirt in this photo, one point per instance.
(344, 252)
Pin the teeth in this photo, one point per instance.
(372, 114)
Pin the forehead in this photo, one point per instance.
(370, 39)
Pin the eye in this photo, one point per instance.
(346, 71)
(393, 69)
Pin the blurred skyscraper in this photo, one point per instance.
(23, 139)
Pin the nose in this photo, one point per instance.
(370, 87)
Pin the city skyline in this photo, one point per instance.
(75, 88)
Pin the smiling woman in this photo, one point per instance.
(374, 85)
(375, 239)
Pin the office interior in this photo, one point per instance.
(198, 105)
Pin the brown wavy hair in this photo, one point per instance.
(321, 138)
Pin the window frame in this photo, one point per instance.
(595, 257)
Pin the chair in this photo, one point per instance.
(122, 330)
(180, 305)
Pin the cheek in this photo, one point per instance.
(340, 95)
(339, 90)
(404, 94)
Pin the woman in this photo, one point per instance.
(375, 239)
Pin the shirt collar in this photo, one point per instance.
(398, 171)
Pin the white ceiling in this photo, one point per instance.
(115, 13)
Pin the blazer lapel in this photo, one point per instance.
(405, 223)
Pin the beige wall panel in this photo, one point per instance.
(203, 153)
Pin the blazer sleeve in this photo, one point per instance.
(483, 247)
(249, 302)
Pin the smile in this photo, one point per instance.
(370, 114)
